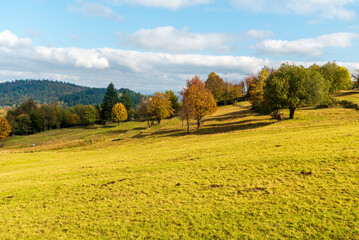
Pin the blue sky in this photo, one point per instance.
(154, 45)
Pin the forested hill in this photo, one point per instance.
(46, 91)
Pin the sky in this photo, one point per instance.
(156, 45)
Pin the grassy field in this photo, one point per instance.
(241, 176)
(351, 96)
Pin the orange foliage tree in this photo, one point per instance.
(5, 130)
(197, 100)
(160, 106)
(119, 113)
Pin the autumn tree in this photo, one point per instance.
(234, 91)
(5, 130)
(142, 110)
(160, 106)
(119, 113)
(216, 85)
(198, 101)
(294, 86)
(256, 88)
(109, 100)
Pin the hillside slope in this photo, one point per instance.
(46, 91)
(241, 176)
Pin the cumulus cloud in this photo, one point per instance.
(170, 39)
(90, 9)
(87, 58)
(171, 4)
(341, 9)
(307, 46)
(8, 39)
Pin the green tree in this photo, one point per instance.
(126, 100)
(88, 115)
(160, 106)
(49, 116)
(119, 113)
(109, 100)
(294, 86)
(337, 76)
(174, 100)
(5, 130)
(217, 86)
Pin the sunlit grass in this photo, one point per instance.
(241, 176)
(351, 96)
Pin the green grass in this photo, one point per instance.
(241, 176)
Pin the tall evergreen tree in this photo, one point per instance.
(109, 100)
(127, 101)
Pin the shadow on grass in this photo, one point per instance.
(343, 94)
(229, 116)
(139, 128)
(215, 128)
(117, 131)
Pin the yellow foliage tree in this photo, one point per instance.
(160, 106)
(119, 113)
(5, 130)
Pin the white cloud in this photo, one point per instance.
(169, 39)
(90, 9)
(171, 4)
(307, 46)
(8, 39)
(259, 33)
(87, 58)
(330, 9)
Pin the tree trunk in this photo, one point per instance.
(199, 123)
(187, 124)
(158, 121)
(0, 144)
(291, 112)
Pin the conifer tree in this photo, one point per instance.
(126, 100)
(109, 100)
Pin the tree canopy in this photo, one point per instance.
(160, 106)
(294, 86)
(118, 113)
(217, 86)
(197, 100)
(337, 76)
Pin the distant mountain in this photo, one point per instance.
(46, 91)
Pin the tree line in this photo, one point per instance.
(291, 87)
(269, 91)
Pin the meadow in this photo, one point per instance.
(242, 175)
